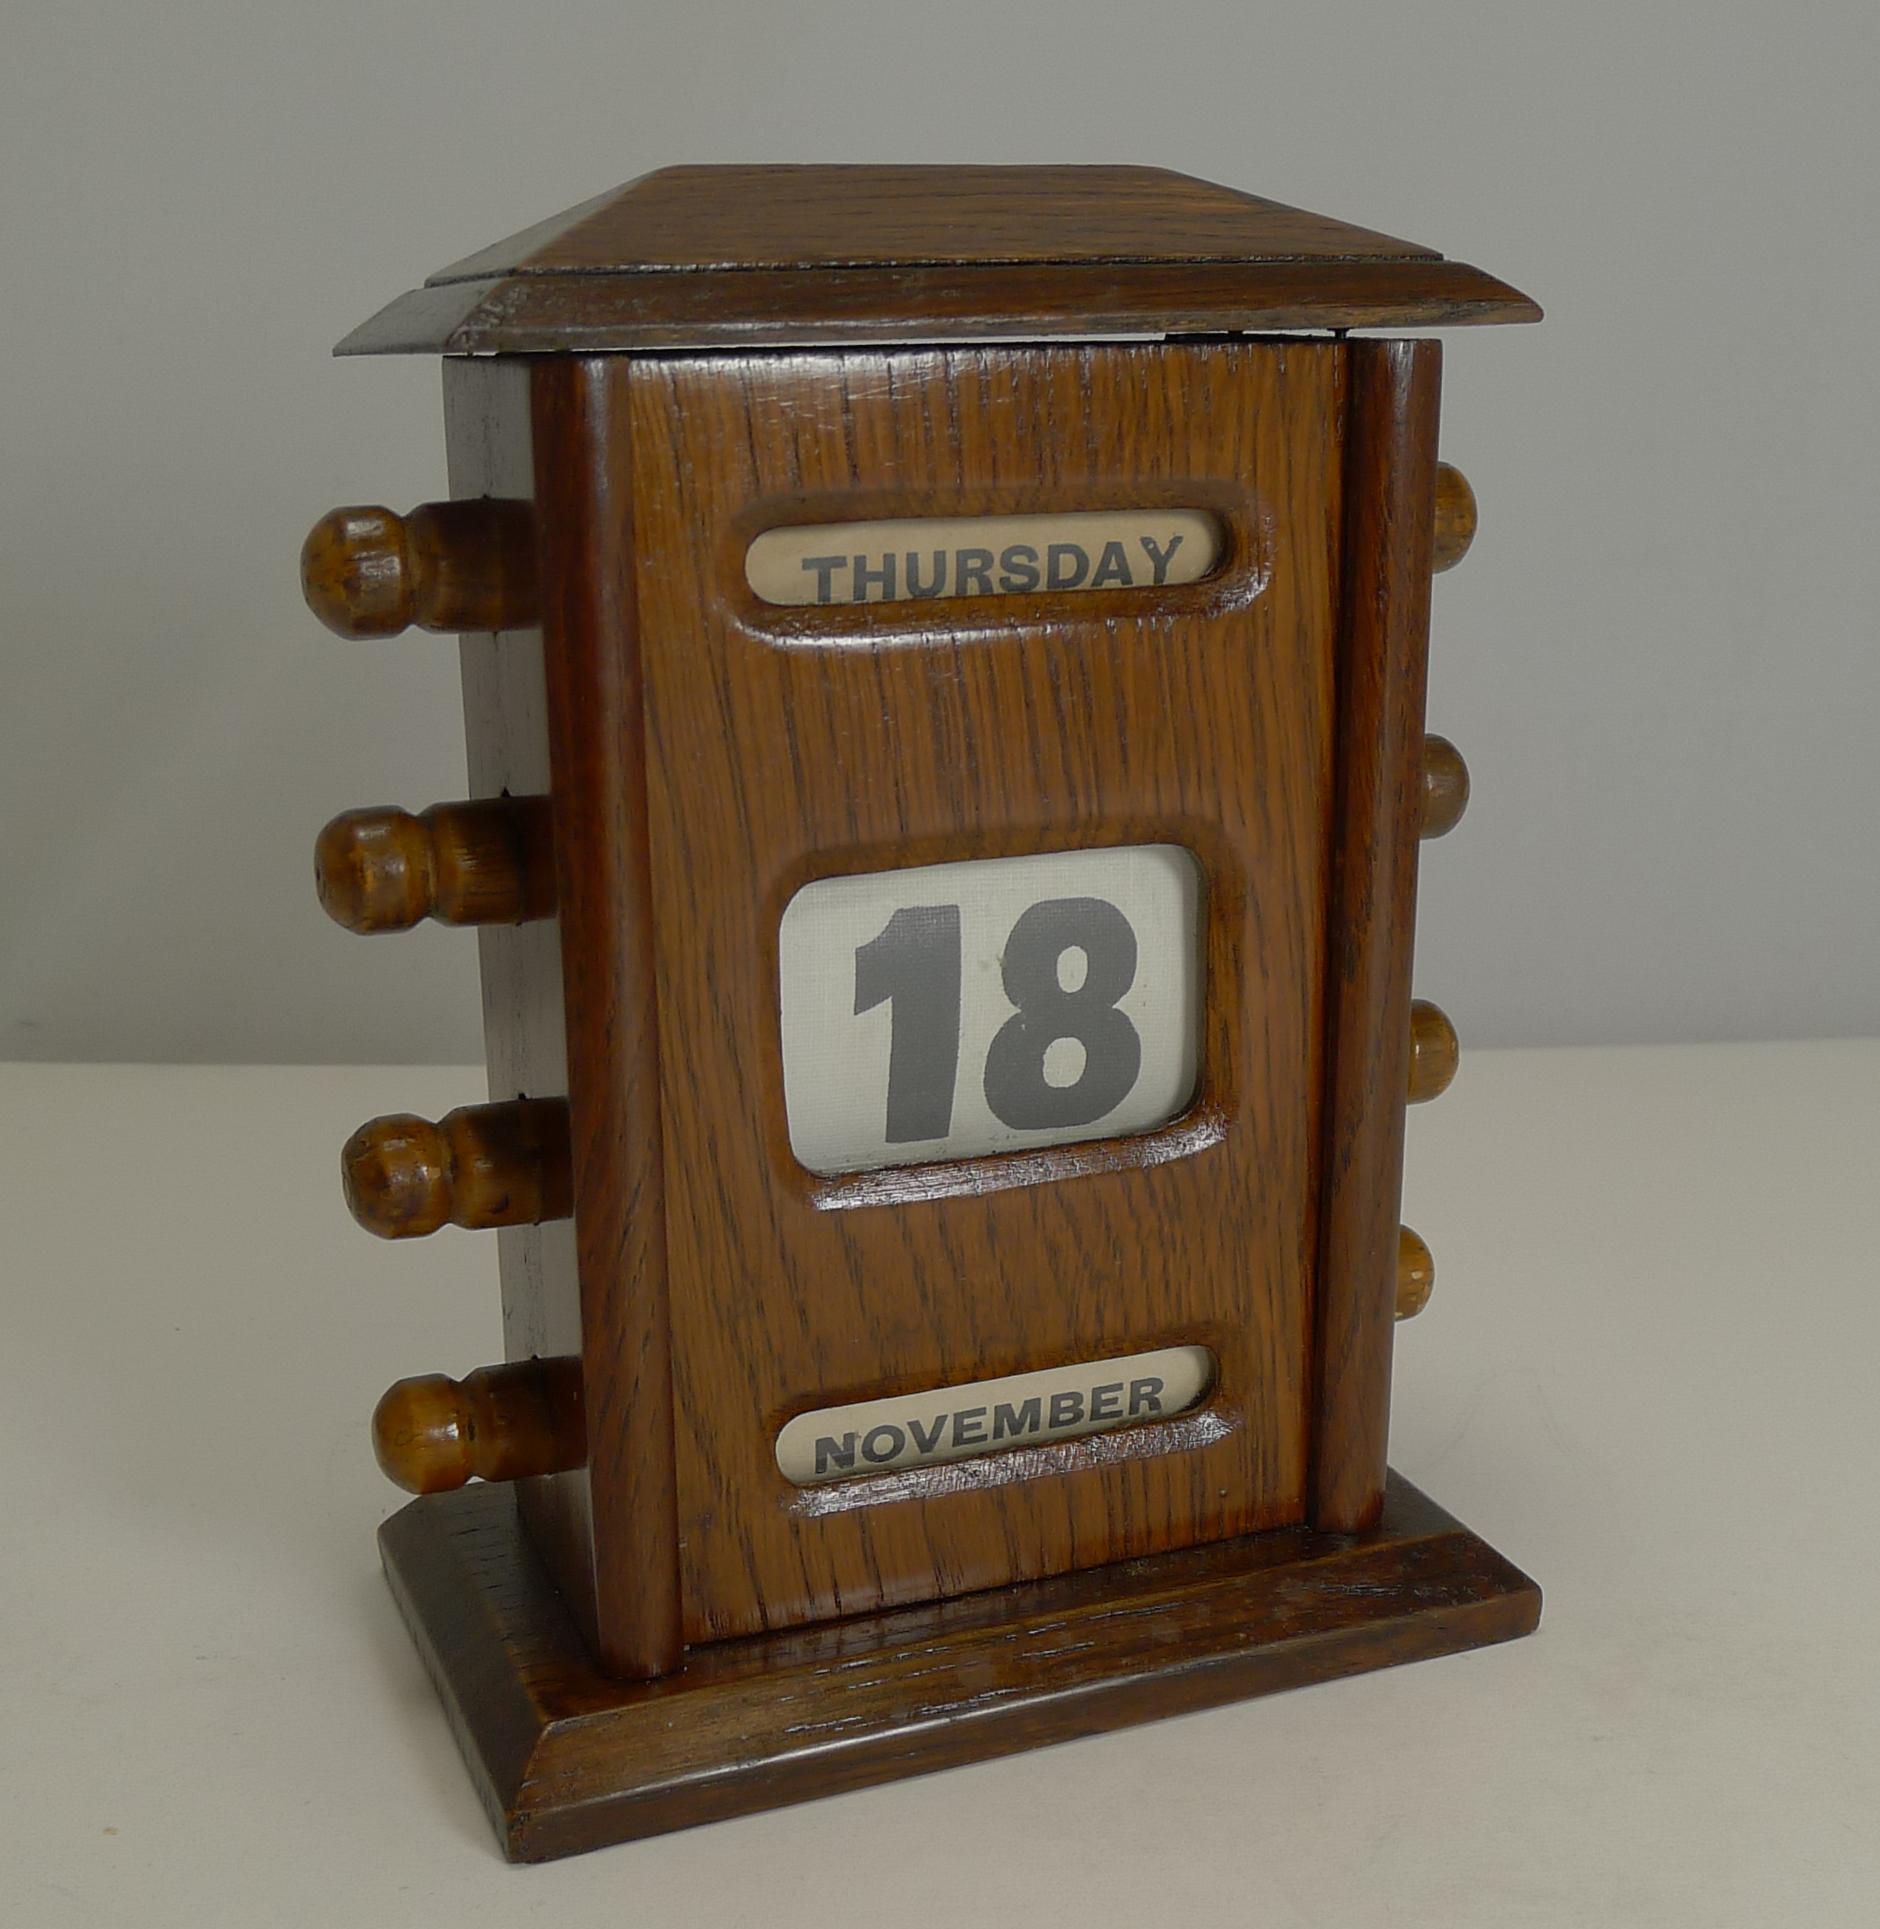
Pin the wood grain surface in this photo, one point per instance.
(732, 216)
(784, 745)
(1456, 518)
(566, 1760)
(489, 861)
(1435, 1051)
(481, 1166)
(459, 565)
(509, 1422)
(594, 685)
(1416, 1273)
(1445, 786)
(707, 754)
(1382, 667)
(714, 256)
(807, 307)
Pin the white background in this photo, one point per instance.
(1659, 660)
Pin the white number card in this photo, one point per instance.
(957, 1009)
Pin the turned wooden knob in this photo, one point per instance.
(1416, 1274)
(482, 1165)
(1445, 786)
(499, 1423)
(487, 862)
(1455, 517)
(1434, 1052)
(447, 566)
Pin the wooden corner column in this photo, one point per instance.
(596, 723)
(1383, 647)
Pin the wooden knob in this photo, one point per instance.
(1445, 786)
(482, 1165)
(499, 1423)
(488, 862)
(447, 566)
(1416, 1274)
(1455, 517)
(1434, 1052)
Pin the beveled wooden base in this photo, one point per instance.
(566, 1759)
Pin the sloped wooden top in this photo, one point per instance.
(777, 256)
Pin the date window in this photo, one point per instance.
(953, 1010)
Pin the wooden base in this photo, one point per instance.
(566, 1759)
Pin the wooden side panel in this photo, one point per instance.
(1390, 474)
(486, 416)
(785, 745)
(593, 686)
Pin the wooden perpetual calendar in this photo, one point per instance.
(943, 654)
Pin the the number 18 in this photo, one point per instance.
(913, 965)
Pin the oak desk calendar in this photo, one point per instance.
(943, 654)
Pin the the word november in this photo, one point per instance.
(987, 1416)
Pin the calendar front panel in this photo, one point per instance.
(989, 936)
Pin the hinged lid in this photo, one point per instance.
(727, 257)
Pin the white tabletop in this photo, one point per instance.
(1647, 1376)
